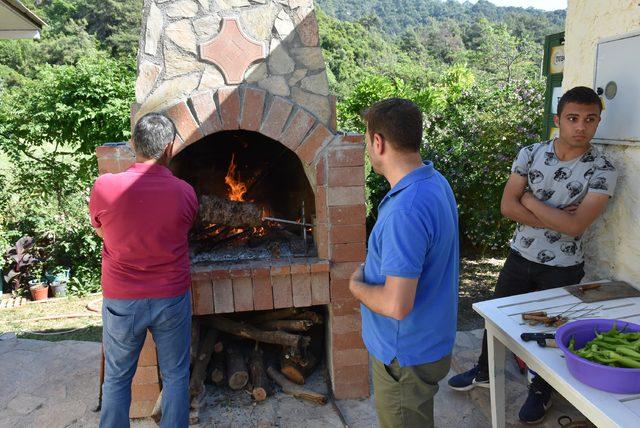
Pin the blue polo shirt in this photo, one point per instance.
(415, 236)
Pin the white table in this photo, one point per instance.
(504, 325)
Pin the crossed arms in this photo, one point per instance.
(525, 208)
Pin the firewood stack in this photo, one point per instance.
(253, 351)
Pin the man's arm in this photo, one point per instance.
(393, 299)
(572, 224)
(510, 205)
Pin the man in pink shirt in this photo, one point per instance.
(144, 215)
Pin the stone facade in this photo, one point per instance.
(181, 52)
(612, 242)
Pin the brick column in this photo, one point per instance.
(146, 382)
(348, 359)
(114, 158)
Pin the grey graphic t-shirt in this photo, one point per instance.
(558, 184)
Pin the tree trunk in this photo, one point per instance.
(288, 325)
(214, 210)
(217, 371)
(249, 332)
(201, 362)
(294, 390)
(298, 371)
(261, 385)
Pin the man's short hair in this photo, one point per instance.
(398, 121)
(579, 95)
(152, 134)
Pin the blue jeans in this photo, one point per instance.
(125, 324)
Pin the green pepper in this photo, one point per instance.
(628, 352)
(572, 344)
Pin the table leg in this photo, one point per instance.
(496, 379)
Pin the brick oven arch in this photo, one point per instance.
(250, 108)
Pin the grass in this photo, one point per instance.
(21, 320)
(477, 279)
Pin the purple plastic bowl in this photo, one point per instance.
(607, 378)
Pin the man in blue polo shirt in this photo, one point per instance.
(408, 286)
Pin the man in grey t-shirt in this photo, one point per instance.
(557, 188)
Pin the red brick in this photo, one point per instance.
(297, 129)
(308, 150)
(342, 157)
(252, 109)
(262, 291)
(347, 176)
(352, 252)
(148, 355)
(341, 324)
(339, 288)
(343, 270)
(350, 357)
(301, 285)
(202, 290)
(106, 165)
(321, 204)
(239, 273)
(242, 294)
(345, 306)
(352, 374)
(353, 138)
(321, 172)
(321, 238)
(178, 146)
(347, 234)
(333, 119)
(125, 164)
(229, 104)
(339, 196)
(349, 340)
(106, 152)
(200, 273)
(185, 123)
(343, 390)
(347, 214)
(320, 266)
(135, 108)
(147, 392)
(281, 284)
(141, 409)
(308, 29)
(145, 375)
(222, 296)
(206, 112)
(277, 116)
(220, 274)
(320, 294)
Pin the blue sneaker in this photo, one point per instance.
(469, 380)
(535, 408)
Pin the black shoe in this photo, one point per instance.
(535, 408)
(469, 380)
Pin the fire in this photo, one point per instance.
(232, 179)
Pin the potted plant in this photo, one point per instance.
(25, 261)
(39, 289)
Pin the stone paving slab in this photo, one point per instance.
(55, 384)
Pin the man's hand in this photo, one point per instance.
(512, 206)
(571, 209)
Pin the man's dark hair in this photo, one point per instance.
(152, 134)
(398, 121)
(579, 95)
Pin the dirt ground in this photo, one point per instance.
(33, 320)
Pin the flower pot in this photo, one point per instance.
(59, 289)
(39, 292)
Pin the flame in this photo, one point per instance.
(232, 179)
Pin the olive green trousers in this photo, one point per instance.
(404, 395)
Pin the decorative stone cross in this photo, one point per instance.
(232, 51)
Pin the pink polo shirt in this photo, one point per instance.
(145, 214)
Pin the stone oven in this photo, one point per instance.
(245, 83)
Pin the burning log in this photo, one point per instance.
(205, 349)
(230, 213)
(261, 384)
(288, 325)
(294, 390)
(249, 332)
(297, 371)
(236, 368)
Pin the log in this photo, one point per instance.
(261, 385)
(294, 390)
(156, 413)
(314, 317)
(287, 325)
(278, 314)
(195, 341)
(214, 210)
(249, 332)
(218, 368)
(199, 370)
(298, 371)
(236, 368)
